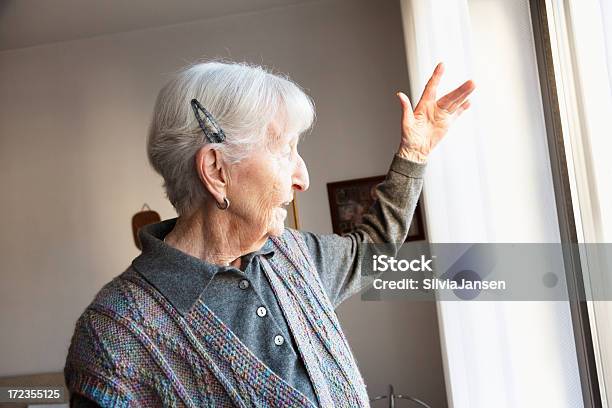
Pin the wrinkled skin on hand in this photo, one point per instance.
(428, 123)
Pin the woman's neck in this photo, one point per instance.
(213, 237)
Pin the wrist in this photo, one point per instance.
(412, 155)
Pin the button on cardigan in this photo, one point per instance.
(244, 300)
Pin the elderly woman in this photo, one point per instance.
(225, 306)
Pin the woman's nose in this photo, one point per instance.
(301, 181)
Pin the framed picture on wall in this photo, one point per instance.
(349, 201)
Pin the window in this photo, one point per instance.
(504, 174)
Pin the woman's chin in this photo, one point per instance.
(277, 226)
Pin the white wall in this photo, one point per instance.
(73, 167)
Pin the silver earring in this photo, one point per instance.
(225, 205)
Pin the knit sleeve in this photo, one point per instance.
(90, 370)
(340, 260)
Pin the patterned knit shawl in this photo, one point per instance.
(132, 348)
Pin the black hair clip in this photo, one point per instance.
(208, 124)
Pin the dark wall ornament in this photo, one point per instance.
(350, 200)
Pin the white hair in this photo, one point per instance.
(243, 98)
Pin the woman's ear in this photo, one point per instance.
(212, 172)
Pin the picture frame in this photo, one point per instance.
(349, 200)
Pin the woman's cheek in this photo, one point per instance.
(266, 207)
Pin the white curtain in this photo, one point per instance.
(490, 181)
(606, 12)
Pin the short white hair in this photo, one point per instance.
(243, 98)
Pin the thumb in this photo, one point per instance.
(407, 114)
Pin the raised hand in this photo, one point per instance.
(423, 128)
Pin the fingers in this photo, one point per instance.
(464, 106)
(451, 101)
(429, 93)
(407, 114)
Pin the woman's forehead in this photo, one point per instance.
(278, 131)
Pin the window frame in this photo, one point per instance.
(579, 308)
